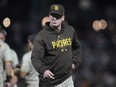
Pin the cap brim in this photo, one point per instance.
(56, 13)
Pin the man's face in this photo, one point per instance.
(2, 36)
(55, 19)
(30, 45)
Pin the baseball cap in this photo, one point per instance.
(32, 37)
(3, 31)
(57, 9)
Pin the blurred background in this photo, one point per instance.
(94, 22)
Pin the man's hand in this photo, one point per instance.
(48, 74)
(14, 80)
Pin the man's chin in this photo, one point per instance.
(54, 25)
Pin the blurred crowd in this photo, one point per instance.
(98, 67)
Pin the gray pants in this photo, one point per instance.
(67, 83)
(1, 80)
(33, 85)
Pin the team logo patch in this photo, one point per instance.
(56, 8)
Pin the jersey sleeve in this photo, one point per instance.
(14, 58)
(7, 53)
(25, 64)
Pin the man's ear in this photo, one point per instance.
(63, 17)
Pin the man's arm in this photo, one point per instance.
(37, 57)
(23, 74)
(11, 78)
(7, 60)
(25, 66)
(76, 51)
(15, 58)
(8, 67)
(38, 54)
